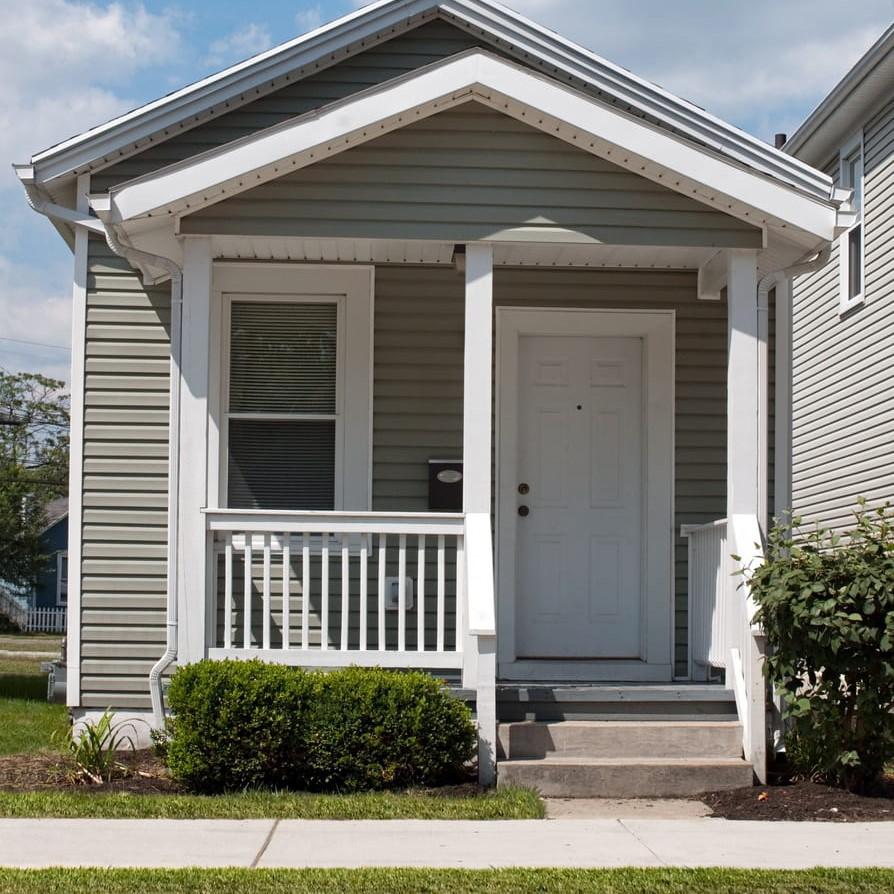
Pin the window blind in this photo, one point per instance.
(283, 357)
(283, 363)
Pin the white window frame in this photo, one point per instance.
(350, 288)
(854, 146)
(61, 555)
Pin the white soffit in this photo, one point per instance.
(378, 22)
(507, 87)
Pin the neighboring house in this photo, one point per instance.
(433, 230)
(843, 322)
(51, 591)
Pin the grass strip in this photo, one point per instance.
(502, 804)
(404, 881)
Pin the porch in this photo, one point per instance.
(385, 580)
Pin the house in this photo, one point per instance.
(434, 231)
(51, 589)
(43, 608)
(842, 424)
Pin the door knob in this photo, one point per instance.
(523, 511)
(524, 488)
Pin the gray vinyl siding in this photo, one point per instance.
(468, 174)
(417, 410)
(125, 482)
(843, 407)
(428, 43)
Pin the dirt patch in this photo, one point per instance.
(142, 773)
(803, 801)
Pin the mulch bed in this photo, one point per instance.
(46, 771)
(804, 801)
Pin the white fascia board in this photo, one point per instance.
(508, 88)
(568, 57)
(382, 20)
(198, 101)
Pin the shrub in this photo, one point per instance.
(238, 725)
(827, 605)
(372, 729)
(247, 724)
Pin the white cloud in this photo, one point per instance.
(309, 18)
(60, 69)
(242, 44)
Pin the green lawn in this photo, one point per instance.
(27, 721)
(502, 804)
(30, 642)
(431, 881)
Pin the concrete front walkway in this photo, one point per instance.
(443, 844)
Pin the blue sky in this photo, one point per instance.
(66, 65)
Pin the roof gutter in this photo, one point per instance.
(42, 203)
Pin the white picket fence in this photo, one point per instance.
(34, 620)
(46, 620)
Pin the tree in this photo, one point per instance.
(34, 419)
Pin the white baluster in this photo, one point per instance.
(365, 547)
(420, 594)
(305, 591)
(324, 586)
(228, 591)
(402, 594)
(382, 547)
(441, 592)
(345, 592)
(286, 589)
(246, 636)
(266, 593)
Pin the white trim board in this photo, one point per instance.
(505, 86)
(76, 458)
(351, 288)
(657, 329)
(378, 22)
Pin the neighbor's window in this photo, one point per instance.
(851, 243)
(62, 578)
(282, 406)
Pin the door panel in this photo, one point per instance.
(579, 576)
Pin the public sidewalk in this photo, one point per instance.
(605, 843)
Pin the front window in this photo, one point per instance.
(61, 578)
(851, 244)
(282, 404)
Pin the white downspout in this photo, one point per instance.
(134, 256)
(43, 204)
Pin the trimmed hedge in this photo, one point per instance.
(246, 724)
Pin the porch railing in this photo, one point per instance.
(722, 629)
(329, 589)
(709, 595)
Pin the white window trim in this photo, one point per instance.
(60, 555)
(845, 302)
(351, 289)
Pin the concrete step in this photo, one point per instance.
(692, 702)
(577, 777)
(528, 740)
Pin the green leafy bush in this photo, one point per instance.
(247, 724)
(826, 603)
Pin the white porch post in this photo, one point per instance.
(194, 372)
(746, 469)
(782, 454)
(479, 665)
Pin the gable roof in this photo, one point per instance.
(868, 85)
(378, 22)
(540, 101)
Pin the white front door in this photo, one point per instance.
(585, 483)
(580, 466)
